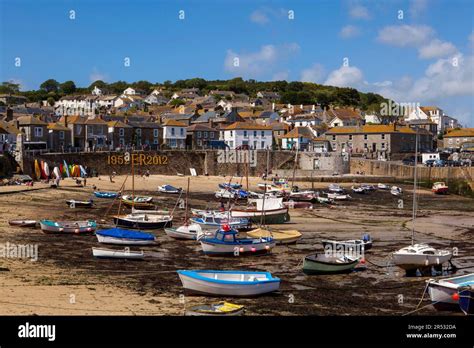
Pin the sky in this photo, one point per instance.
(412, 51)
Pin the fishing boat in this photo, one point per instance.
(348, 246)
(143, 221)
(169, 189)
(306, 196)
(383, 186)
(324, 200)
(137, 199)
(396, 191)
(274, 188)
(466, 299)
(228, 283)
(221, 309)
(102, 194)
(443, 292)
(325, 264)
(150, 212)
(440, 188)
(78, 227)
(118, 254)
(124, 237)
(226, 242)
(335, 188)
(358, 189)
(279, 236)
(73, 203)
(23, 223)
(271, 209)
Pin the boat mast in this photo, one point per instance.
(414, 189)
(186, 211)
(262, 217)
(133, 181)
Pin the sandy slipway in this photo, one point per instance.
(66, 268)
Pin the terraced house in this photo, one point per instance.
(246, 134)
(459, 138)
(34, 129)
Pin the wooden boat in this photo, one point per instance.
(396, 191)
(420, 256)
(143, 221)
(221, 309)
(78, 227)
(23, 223)
(102, 194)
(443, 291)
(272, 210)
(184, 232)
(335, 188)
(440, 188)
(138, 199)
(383, 186)
(226, 242)
(324, 264)
(228, 283)
(305, 196)
(72, 203)
(124, 237)
(279, 236)
(169, 189)
(466, 299)
(118, 254)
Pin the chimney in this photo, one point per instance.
(9, 114)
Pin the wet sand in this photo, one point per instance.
(67, 280)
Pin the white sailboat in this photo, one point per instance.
(419, 256)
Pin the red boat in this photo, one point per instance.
(440, 188)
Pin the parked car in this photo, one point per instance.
(451, 163)
(439, 163)
(430, 163)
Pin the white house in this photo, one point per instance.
(156, 91)
(156, 99)
(96, 91)
(434, 114)
(129, 91)
(174, 134)
(372, 119)
(254, 135)
(76, 105)
(106, 101)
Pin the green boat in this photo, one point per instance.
(324, 264)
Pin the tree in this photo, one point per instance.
(177, 102)
(50, 85)
(8, 87)
(196, 83)
(51, 101)
(68, 87)
(99, 84)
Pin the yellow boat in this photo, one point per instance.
(216, 309)
(37, 170)
(280, 236)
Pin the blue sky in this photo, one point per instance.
(425, 57)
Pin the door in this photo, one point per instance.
(374, 147)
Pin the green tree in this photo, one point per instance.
(51, 101)
(177, 102)
(67, 87)
(50, 85)
(8, 87)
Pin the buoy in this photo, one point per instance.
(455, 296)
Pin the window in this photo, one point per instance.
(155, 133)
(155, 141)
(365, 146)
(231, 144)
(245, 133)
(181, 131)
(78, 129)
(350, 137)
(199, 142)
(263, 145)
(205, 134)
(263, 133)
(365, 136)
(254, 133)
(254, 144)
(61, 135)
(121, 132)
(172, 131)
(334, 146)
(211, 135)
(139, 132)
(383, 145)
(231, 133)
(122, 141)
(38, 132)
(172, 142)
(333, 137)
(199, 134)
(383, 136)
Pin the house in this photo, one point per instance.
(77, 126)
(344, 117)
(106, 101)
(269, 116)
(279, 129)
(372, 118)
(129, 91)
(271, 96)
(222, 94)
(11, 99)
(187, 119)
(304, 120)
(174, 134)
(253, 135)
(8, 135)
(97, 91)
(96, 134)
(298, 138)
(119, 134)
(34, 129)
(199, 136)
(157, 91)
(435, 114)
(59, 137)
(82, 105)
(229, 117)
(156, 99)
(378, 139)
(207, 117)
(455, 138)
(147, 135)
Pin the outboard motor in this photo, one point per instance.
(366, 237)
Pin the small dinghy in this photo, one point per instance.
(169, 189)
(349, 246)
(440, 188)
(226, 242)
(118, 254)
(101, 194)
(358, 189)
(323, 264)
(124, 237)
(443, 292)
(184, 232)
(298, 205)
(272, 210)
(466, 299)
(335, 188)
(232, 194)
(324, 200)
(396, 191)
(338, 196)
(144, 202)
(78, 227)
(383, 187)
(368, 187)
(280, 236)
(23, 223)
(72, 203)
(143, 221)
(232, 186)
(213, 220)
(228, 283)
(221, 309)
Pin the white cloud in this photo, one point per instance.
(417, 7)
(383, 83)
(313, 74)
(264, 15)
(254, 64)
(259, 17)
(436, 48)
(345, 76)
(349, 31)
(405, 35)
(359, 12)
(96, 75)
(471, 38)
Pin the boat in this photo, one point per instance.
(103, 194)
(23, 223)
(228, 283)
(232, 194)
(368, 187)
(221, 309)
(358, 189)
(229, 185)
(306, 196)
(124, 237)
(324, 200)
(419, 256)
(225, 242)
(214, 220)
(78, 227)
(150, 212)
(443, 291)
(184, 232)
(396, 191)
(279, 236)
(137, 199)
(440, 188)
(383, 186)
(270, 210)
(338, 196)
(72, 203)
(143, 221)
(298, 204)
(335, 188)
(169, 189)
(466, 299)
(274, 188)
(351, 246)
(118, 254)
(325, 264)
(138, 202)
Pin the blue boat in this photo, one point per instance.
(101, 194)
(215, 220)
(232, 186)
(466, 299)
(123, 236)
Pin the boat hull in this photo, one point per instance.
(23, 223)
(145, 225)
(413, 262)
(318, 267)
(441, 291)
(123, 241)
(276, 216)
(466, 300)
(117, 254)
(235, 249)
(68, 227)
